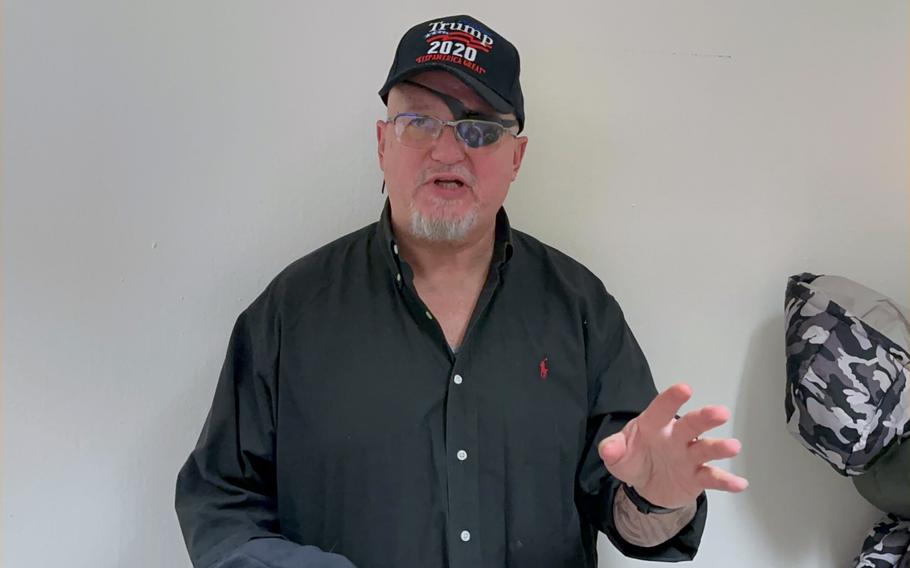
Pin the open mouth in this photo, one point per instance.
(448, 183)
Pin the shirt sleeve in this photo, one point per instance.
(225, 494)
(620, 388)
(280, 553)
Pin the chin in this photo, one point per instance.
(441, 223)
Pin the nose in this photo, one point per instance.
(447, 149)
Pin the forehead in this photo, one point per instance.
(420, 99)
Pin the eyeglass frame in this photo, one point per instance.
(504, 124)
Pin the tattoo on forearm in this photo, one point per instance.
(644, 530)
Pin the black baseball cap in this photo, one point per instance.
(468, 49)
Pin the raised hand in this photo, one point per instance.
(664, 458)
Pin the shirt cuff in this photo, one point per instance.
(648, 529)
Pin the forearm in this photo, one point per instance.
(647, 530)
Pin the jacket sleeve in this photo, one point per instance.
(620, 388)
(225, 494)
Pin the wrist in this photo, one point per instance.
(645, 506)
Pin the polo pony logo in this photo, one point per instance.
(545, 368)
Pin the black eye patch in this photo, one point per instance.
(460, 112)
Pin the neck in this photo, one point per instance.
(433, 259)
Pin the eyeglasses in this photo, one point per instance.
(421, 131)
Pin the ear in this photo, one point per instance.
(380, 142)
(518, 154)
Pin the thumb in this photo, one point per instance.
(612, 448)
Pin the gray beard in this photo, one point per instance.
(442, 229)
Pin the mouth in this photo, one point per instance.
(448, 184)
(447, 181)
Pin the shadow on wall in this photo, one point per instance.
(806, 512)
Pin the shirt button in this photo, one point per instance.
(462, 455)
(457, 379)
(395, 248)
(398, 277)
(465, 536)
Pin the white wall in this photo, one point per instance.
(163, 160)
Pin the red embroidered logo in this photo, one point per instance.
(545, 368)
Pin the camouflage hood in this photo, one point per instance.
(848, 370)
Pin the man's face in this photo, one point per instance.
(422, 201)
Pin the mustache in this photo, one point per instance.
(459, 171)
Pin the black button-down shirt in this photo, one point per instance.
(344, 422)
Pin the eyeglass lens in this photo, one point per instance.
(421, 131)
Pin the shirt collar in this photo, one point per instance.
(502, 245)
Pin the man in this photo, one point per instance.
(438, 389)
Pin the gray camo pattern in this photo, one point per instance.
(887, 545)
(847, 396)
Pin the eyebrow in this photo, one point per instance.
(418, 105)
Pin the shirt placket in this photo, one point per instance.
(462, 463)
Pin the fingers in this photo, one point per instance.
(697, 422)
(711, 477)
(612, 448)
(664, 407)
(702, 451)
